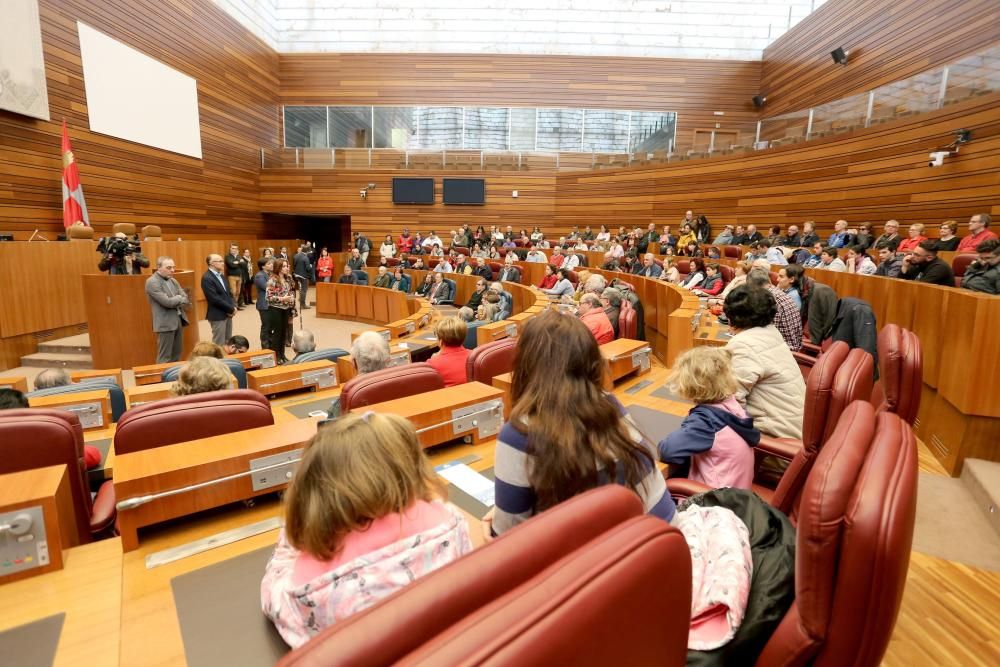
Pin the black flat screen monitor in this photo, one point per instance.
(413, 191)
(470, 191)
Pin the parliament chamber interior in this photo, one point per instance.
(308, 304)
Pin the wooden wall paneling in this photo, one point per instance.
(237, 78)
(933, 330)
(15, 347)
(970, 361)
(888, 40)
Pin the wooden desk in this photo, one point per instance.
(435, 408)
(494, 331)
(95, 374)
(147, 393)
(92, 407)
(152, 373)
(320, 374)
(17, 383)
(49, 489)
(626, 356)
(398, 356)
(174, 466)
(254, 359)
(88, 590)
(503, 382)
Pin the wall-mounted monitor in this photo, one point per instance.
(413, 191)
(470, 191)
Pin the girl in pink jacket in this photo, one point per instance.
(362, 520)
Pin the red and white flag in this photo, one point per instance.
(74, 207)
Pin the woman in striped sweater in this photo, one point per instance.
(566, 435)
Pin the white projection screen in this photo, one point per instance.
(132, 96)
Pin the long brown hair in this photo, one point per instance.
(574, 432)
(279, 265)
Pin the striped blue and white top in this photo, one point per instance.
(516, 500)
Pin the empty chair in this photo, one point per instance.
(115, 393)
(330, 353)
(38, 437)
(151, 233)
(234, 365)
(732, 252)
(901, 365)
(490, 360)
(80, 233)
(584, 583)
(361, 277)
(126, 228)
(192, 417)
(854, 533)
(389, 384)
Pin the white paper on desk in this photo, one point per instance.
(471, 482)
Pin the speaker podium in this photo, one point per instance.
(120, 320)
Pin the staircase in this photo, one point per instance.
(982, 479)
(71, 353)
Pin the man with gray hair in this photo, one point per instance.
(52, 377)
(506, 301)
(611, 299)
(168, 301)
(592, 314)
(303, 342)
(369, 353)
(788, 318)
(595, 284)
(649, 268)
(468, 316)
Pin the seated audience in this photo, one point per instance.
(713, 282)
(840, 238)
(441, 291)
(12, 399)
(983, 275)
(979, 231)
(687, 236)
(557, 258)
(788, 316)
(200, 375)
(481, 270)
(916, 237)
(592, 314)
(696, 276)
(363, 517)
(611, 299)
(426, 286)
(565, 434)
(713, 253)
(206, 348)
(549, 277)
(864, 238)
(571, 262)
(758, 250)
(771, 385)
(890, 262)
(948, 236)
(831, 261)
(752, 235)
(477, 295)
(924, 266)
(785, 285)
(348, 277)
(505, 301)
(690, 249)
(384, 278)
(468, 316)
(717, 436)
(354, 261)
(450, 360)
(890, 232)
(400, 282)
(792, 239)
(535, 255)
(303, 342)
(369, 353)
(52, 377)
(236, 345)
(740, 272)
(773, 254)
(670, 273)
(509, 272)
(816, 258)
(809, 235)
(858, 261)
(487, 312)
(725, 238)
(649, 267)
(562, 286)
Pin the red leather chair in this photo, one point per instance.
(487, 361)
(496, 268)
(728, 273)
(389, 384)
(959, 264)
(184, 418)
(391, 261)
(683, 266)
(574, 278)
(901, 368)
(732, 252)
(463, 251)
(628, 321)
(37, 438)
(585, 583)
(432, 262)
(854, 533)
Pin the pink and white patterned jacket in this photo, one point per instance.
(299, 612)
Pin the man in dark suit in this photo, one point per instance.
(302, 268)
(168, 301)
(509, 273)
(483, 271)
(221, 306)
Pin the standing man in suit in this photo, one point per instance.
(221, 306)
(302, 268)
(168, 300)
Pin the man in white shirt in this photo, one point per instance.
(431, 240)
(571, 262)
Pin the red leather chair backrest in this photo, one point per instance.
(389, 384)
(728, 273)
(574, 278)
(38, 437)
(627, 321)
(392, 261)
(463, 251)
(396, 626)
(683, 266)
(496, 268)
(854, 535)
(840, 377)
(959, 263)
(609, 608)
(184, 418)
(732, 252)
(432, 262)
(487, 361)
(773, 275)
(901, 367)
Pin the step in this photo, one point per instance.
(79, 344)
(57, 360)
(982, 478)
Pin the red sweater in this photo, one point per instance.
(548, 282)
(969, 243)
(909, 244)
(450, 364)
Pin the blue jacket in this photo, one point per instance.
(697, 433)
(260, 282)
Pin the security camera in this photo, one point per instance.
(937, 158)
(364, 193)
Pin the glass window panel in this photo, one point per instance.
(914, 95)
(974, 75)
(522, 129)
(844, 115)
(395, 127)
(605, 131)
(439, 127)
(652, 131)
(351, 127)
(305, 127)
(560, 129)
(486, 129)
(787, 128)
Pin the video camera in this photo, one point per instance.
(118, 247)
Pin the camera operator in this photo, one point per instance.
(122, 255)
